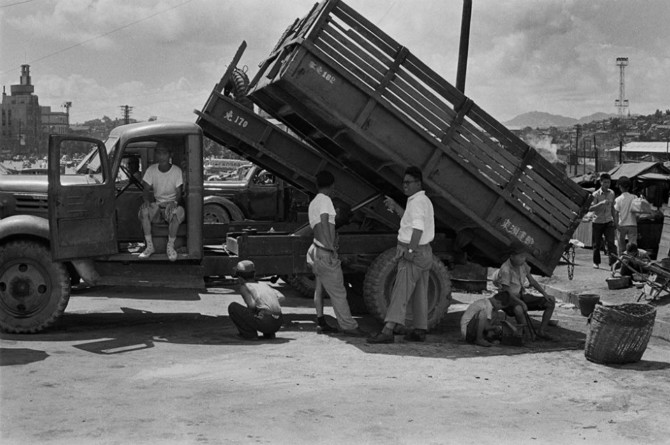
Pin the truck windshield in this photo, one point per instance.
(91, 162)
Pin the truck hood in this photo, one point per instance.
(38, 183)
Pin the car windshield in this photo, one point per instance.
(91, 162)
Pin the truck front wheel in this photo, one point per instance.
(34, 291)
(379, 281)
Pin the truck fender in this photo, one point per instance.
(36, 226)
(31, 225)
(232, 208)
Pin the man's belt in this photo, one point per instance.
(323, 248)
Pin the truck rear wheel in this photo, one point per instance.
(34, 291)
(215, 214)
(379, 281)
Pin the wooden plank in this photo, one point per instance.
(366, 29)
(538, 204)
(549, 202)
(554, 190)
(411, 113)
(443, 116)
(425, 74)
(476, 136)
(343, 67)
(353, 52)
(468, 139)
(440, 106)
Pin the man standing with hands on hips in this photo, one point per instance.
(322, 257)
(415, 258)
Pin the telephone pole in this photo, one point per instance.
(126, 110)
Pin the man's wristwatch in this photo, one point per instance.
(410, 251)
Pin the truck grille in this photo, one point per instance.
(36, 204)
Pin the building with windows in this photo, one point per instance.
(25, 125)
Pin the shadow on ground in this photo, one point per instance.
(20, 356)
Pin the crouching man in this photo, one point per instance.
(262, 312)
(480, 321)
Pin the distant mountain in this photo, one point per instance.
(540, 119)
(596, 117)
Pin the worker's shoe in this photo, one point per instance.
(357, 332)
(418, 335)
(381, 338)
(171, 253)
(326, 329)
(269, 336)
(147, 252)
(596, 266)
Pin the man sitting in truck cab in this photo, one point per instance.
(163, 183)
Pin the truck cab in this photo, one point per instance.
(93, 210)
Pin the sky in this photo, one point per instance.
(163, 57)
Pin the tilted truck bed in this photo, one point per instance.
(354, 93)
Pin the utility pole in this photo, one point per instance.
(464, 45)
(577, 128)
(595, 152)
(126, 110)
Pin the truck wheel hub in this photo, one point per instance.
(23, 287)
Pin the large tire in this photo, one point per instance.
(215, 213)
(379, 281)
(304, 284)
(34, 291)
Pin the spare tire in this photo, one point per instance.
(379, 281)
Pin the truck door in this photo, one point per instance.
(81, 200)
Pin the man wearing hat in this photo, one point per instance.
(262, 312)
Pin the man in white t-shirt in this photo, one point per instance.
(322, 257)
(415, 259)
(163, 185)
(627, 220)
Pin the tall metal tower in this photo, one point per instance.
(622, 103)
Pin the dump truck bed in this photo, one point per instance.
(354, 93)
(251, 135)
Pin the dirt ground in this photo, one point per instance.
(140, 366)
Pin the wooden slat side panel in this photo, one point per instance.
(421, 71)
(496, 155)
(351, 62)
(548, 201)
(411, 109)
(538, 204)
(568, 206)
(366, 29)
(437, 105)
(351, 51)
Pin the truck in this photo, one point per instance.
(256, 194)
(358, 105)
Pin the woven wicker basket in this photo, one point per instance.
(619, 334)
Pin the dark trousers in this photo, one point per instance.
(599, 230)
(249, 322)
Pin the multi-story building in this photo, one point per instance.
(21, 130)
(25, 125)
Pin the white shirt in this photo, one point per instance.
(418, 215)
(623, 204)
(320, 204)
(473, 311)
(164, 184)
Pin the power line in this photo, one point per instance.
(98, 36)
(17, 3)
